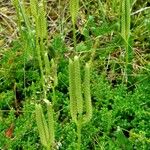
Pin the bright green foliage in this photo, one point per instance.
(123, 142)
(28, 75)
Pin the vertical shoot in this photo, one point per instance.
(87, 94)
(74, 8)
(73, 103)
(51, 123)
(41, 124)
(78, 91)
(125, 33)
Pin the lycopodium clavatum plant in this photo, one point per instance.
(45, 128)
(74, 8)
(125, 33)
(80, 105)
(39, 17)
(48, 68)
(36, 37)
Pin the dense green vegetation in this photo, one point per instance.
(75, 75)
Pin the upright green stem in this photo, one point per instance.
(125, 32)
(41, 68)
(127, 60)
(79, 135)
(54, 95)
(74, 8)
(74, 37)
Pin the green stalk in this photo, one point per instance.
(45, 57)
(79, 135)
(51, 123)
(41, 35)
(73, 103)
(39, 57)
(123, 20)
(54, 95)
(87, 95)
(125, 32)
(128, 20)
(41, 67)
(74, 37)
(74, 8)
(127, 37)
(53, 76)
(77, 85)
(42, 126)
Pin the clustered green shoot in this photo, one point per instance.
(80, 106)
(46, 129)
(48, 68)
(39, 17)
(48, 71)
